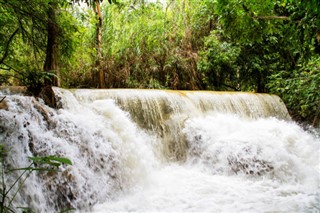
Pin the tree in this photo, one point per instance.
(33, 41)
(99, 67)
(25, 23)
(279, 50)
(98, 74)
(51, 62)
(272, 35)
(35, 31)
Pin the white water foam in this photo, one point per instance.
(233, 163)
(104, 145)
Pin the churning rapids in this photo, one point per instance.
(162, 151)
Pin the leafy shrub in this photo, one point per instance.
(300, 89)
(218, 63)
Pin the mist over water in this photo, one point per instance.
(190, 156)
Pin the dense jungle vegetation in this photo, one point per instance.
(238, 45)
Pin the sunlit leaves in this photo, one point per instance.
(148, 44)
(300, 89)
(50, 161)
(218, 63)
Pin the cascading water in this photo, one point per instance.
(162, 151)
(100, 139)
(165, 112)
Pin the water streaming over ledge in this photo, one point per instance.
(163, 151)
(164, 112)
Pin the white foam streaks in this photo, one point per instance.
(209, 181)
(226, 160)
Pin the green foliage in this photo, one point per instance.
(25, 49)
(148, 45)
(273, 35)
(77, 53)
(9, 192)
(300, 89)
(277, 45)
(22, 54)
(35, 80)
(49, 160)
(218, 63)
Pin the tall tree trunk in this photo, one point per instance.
(51, 63)
(260, 87)
(100, 72)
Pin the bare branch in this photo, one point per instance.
(8, 45)
(271, 17)
(3, 99)
(11, 68)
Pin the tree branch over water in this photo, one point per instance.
(8, 45)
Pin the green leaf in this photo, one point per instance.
(60, 160)
(51, 160)
(26, 210)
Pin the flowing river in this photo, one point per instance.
(162, 151)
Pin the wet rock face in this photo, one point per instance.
(3, 104)
(48, 96)
(249, 161)
(249, 166)
(46, 93)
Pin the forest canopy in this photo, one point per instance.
(238, 45)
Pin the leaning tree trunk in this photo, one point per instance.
(51, 63)
(99, 68)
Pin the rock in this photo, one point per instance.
(3, 105)
(10, 90)
(48, 96)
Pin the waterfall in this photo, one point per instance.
(161, 151)
(164, 112)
